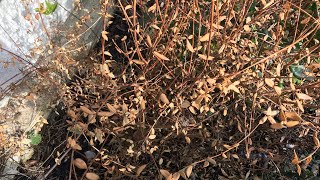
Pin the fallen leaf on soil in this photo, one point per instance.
(79, 163)
(140, 169)
(92, 176)
(160, 56)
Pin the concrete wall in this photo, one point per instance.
(23, 33)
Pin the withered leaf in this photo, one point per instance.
(304, 96)
(189, 46)
(160, 56)
(165, 173)
(140, 169)
(277, 126)
(206, 37)
(79, 163)
(138, 62)
(292, 123)
(86, 110)
(316, 139)
(189, 170)
(164, 98)
(269, 82)
(293, 116)
(104, 35)
(92, 176)
(205, 57)
(295, 159)
(111, 108)
(105, 113)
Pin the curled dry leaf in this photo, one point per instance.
(105, 114)
(293, 116)
(246, 28)
(104, 35)
(189, 46)
(277, 126)
(206, 37)
(111, 108)
(295, 159)
(149, 41)
(138, 62)
(92, 176)
(79, 163)
(269, 82)
(205, 57)
(140, 169)
(303, 96)
(160, 56)
(152, 136)
(165, 173)
(316, 139)
(86, 110)
(164, 98)
(72, 143)
(278, 90)
(189, 170)
(292, 123)
(185, 104)
(175, 176)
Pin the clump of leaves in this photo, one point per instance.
(48, 8)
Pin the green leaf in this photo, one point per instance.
(36, 139)
(50, 7)
(298, 71)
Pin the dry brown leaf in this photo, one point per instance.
(185, 104)
(300, 106)
(188, 140)
(104, 35)
(293, 116)
(72, 143)
(149, 41)
(305, 21)
(298, 169)
(304, 96)
(142, 104)
(212, 161)
(277, 126)
(138, 62)
(160, 56)
(86, 110)
(295, 159)
(105, 114)
(282, 115)
(79, 163)
(189, 46)
(269, 82)
(175, 176)
(152, 136)
(247, 28)
(205, 37)
(278, 70)
(189, 170)
(316, 139)
(206, 164)
(308, 160)
(72, 114)
(278, 90)
(165, 173)
(224, 155)
(192, 110)
(140, 169)
(164, 98)
(235, 156)
(292, 123)
(92, 176)
(111, 108)
(205, 57)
